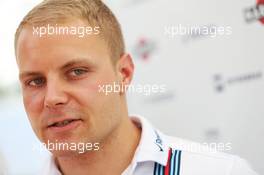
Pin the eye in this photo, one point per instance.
(77, 72)
(36, 82)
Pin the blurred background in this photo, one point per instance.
(214, 83)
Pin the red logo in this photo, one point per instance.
(144, 48)
(255, 13)
(261, 3)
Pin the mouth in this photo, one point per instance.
(64, 125)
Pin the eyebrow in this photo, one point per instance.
(27, 74)
(65, 66)
(76, 62)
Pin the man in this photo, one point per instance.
(64, 71)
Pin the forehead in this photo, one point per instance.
(33, 49)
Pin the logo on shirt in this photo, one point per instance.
(158, 141)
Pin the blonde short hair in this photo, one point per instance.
(94, 12)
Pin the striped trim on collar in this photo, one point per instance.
(154, 147)
(173, 164)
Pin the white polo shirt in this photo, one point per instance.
(159, 154)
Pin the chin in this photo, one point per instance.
(68, 146)
(68, 153)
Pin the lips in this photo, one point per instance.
(62, 123)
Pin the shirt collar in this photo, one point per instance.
(152, 146)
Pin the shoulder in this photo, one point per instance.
(197, 158)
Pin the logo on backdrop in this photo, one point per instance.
(221, 82)
(144, 48)
(255, 13)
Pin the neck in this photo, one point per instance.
(113, 157)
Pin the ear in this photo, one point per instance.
(125, 70)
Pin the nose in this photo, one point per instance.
(55, 94)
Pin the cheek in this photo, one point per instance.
(86, 94)
(93, 88)
(92, 97)
(33, 103)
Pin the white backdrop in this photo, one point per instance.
(214, 85)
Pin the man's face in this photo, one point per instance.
(60, 78)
